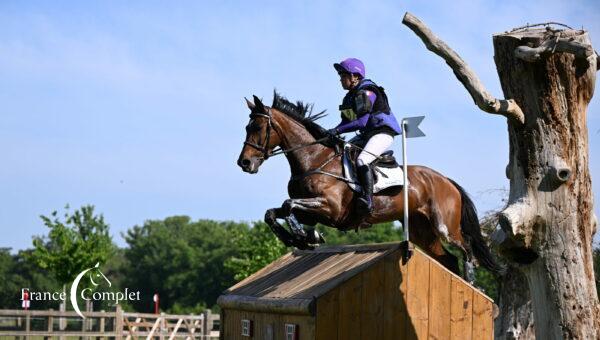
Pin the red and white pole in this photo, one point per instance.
(26, 303)
(156, 302)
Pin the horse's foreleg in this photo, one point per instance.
(271, 217)
(298, 238)
(313, 206)
(316, 205)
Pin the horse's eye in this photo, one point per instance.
(252, 128)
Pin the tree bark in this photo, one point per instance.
(549, 219)
(515, 320)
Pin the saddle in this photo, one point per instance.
(386, 171)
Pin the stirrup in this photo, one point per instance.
(365, 205)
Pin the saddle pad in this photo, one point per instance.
(384, 177)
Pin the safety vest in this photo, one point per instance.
(381, 113)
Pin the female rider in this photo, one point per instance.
(365, 108)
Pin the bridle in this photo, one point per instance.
(264, 149)
(266, 153)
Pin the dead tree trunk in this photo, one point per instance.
(550, 219)
(515, 320)
(548, 79)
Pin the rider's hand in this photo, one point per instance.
(333, 133)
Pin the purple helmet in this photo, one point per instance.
(351, 65)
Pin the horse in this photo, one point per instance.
(440, 211)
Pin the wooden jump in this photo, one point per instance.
(355, 292)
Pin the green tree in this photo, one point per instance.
(78, 241)
(16, 273)
(180, 260)
(382, 232)
(257, 247)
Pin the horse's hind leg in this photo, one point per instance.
(448, 230)
(444, 257)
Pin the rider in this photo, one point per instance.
(365, 108)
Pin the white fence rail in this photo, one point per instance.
(49, 324)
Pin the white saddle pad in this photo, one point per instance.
(384, 177)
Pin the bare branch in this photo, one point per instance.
(555, 44)
(483, 99)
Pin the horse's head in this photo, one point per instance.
(96, 276)
(261, 137)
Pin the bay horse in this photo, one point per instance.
(439, 209)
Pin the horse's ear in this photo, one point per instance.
(250, 104)
(260, 107)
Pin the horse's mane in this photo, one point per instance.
(300, 112)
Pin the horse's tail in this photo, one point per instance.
(469, 224)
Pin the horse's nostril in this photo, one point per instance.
(245, 162)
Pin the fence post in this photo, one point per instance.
(84, 328)
(206, 323)
(162, 325)
(50, 324)
(118, 323)
(18, 323)
(102, 324)
(27, 325)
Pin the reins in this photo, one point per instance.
(264, 148)
(319, 170)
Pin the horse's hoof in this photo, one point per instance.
(314, 237)
(270, 217)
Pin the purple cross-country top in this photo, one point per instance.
(347, 125)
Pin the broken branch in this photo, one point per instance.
(483, 99)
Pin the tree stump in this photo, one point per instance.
(549, 221)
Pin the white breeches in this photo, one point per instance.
(374, 147)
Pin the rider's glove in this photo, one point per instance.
(332, 133)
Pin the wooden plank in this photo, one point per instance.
(461, 310)
(278, 330)
(391, 246)
(451, 273)
(175, 329)
(327, 315)
(483, 327)
(417, 296)
(349, 322)
(372, 302)
(231, 320)
(440, 285)
(394, 297)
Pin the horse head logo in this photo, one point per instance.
(96, 277)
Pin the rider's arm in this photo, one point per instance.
(353, 125)
(363, 114)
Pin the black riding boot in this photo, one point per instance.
(365, 176)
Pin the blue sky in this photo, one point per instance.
(137, 107)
